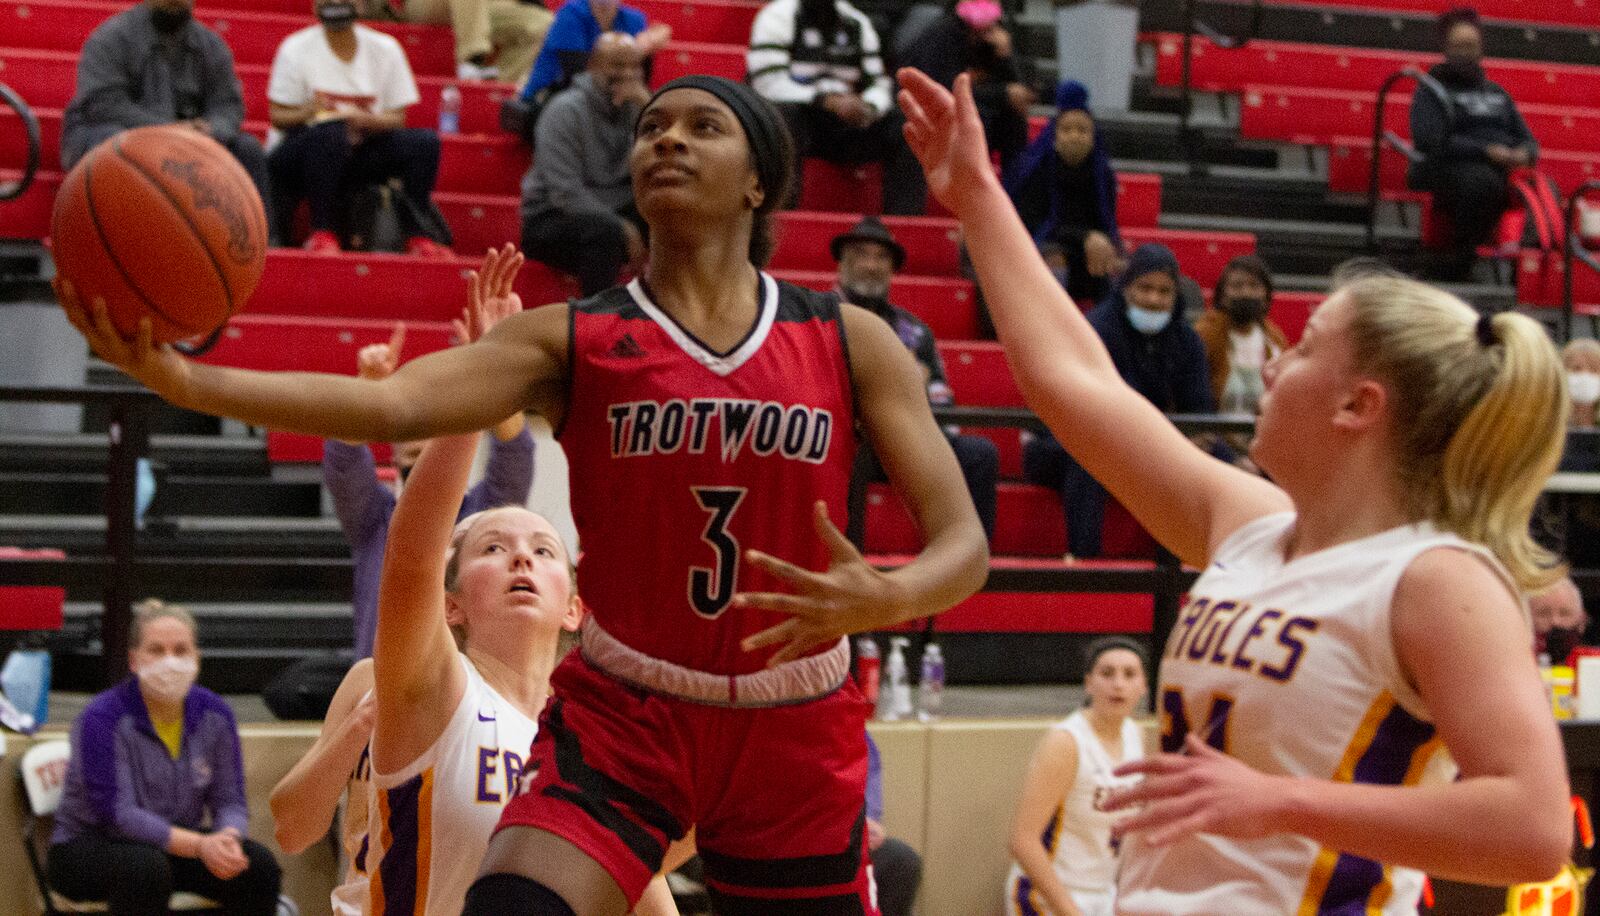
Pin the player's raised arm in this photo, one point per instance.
(1187, 500)
(520, 364)
(304, 800)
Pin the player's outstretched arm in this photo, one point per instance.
(519, 364)
(851, 596)
(305, 798)
(1462, 641)
(1187, 500)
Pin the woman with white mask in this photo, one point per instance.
(1581, 358)
(154, 799)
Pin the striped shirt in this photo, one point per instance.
(794, 64)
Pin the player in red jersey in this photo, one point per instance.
(710, 414)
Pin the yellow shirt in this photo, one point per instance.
(171, 734)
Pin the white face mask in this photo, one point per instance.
(169, 677)
(1584, 387)
(1148, 321)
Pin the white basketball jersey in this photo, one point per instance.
(1078, 835)
(1291, 668)
(350, 897)
(429, 823)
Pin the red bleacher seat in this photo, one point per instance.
(710, 21)
(1350, 159)
(681, 58)
(979, 374)
(1316, 116)
(1541, 283)
(382, 286)
(28, 216)
(1216, 69)
(1028, 523)
(31, 607)
(948, 305)
(1049, 612)
(1579, 13)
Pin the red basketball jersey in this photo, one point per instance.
(683, 458)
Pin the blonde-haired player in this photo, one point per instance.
(1358, 616)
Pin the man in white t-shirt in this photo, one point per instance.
(339, 93)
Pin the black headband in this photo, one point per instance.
(762, 126)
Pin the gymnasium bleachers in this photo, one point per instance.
(254, 496)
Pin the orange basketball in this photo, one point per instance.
(161, 221)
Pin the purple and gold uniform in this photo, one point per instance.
(1291, 667)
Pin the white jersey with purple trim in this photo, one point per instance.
(1291, 668)
(429, 823)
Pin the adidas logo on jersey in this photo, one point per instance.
(626, 348)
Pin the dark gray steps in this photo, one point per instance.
(84, 493)
(86, 453)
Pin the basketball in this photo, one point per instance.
(161, 222)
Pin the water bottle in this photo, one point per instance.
(869, 668)
(25, 688)
(895, 703)
(450, 110)
(930, 690)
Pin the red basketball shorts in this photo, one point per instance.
(776, 794)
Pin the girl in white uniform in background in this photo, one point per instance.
(1066, 858)
(1358, 614)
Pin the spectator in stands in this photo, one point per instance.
(1156, 352)
(969, 36)
(1559, 620)
(577, 199)
(1066, 193)
(578, 26)
(507, 31)
(1469, 147)
(1239, 337)
(868, 257)
(896, 867)
(1582, 359)
(339, 93)
(819, 62)
(154, 799)
(154, 64)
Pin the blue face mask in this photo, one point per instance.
(1147, 321)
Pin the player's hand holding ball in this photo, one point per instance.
(851, 596)
(1201, 790)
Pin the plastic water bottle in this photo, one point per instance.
(895, 703)
(450, 110)
(869, 668)
(930, 690)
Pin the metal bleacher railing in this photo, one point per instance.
(1390, 138)
(1193, 25)
(30, 124)
(121, 573)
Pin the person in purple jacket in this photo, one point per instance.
(364, 504)
(154, 800)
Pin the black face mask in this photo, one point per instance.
(1244, 310)
(1462, 69)
(169, 21)
(337, 16)
(1559, 643)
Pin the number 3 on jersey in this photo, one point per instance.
(711, 588)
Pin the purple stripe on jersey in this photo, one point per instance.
(1386, 761)
(397, 871)
(1024, 897)
(1048, 838)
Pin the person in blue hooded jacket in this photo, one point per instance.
(1143, 325)
(1066, 193)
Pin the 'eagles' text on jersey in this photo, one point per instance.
(683, 458)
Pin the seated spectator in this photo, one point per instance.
(578, 26)
(577, 198)
(1061, 840)
(1559, 620)
(1469, 148)
(339, 94)
(868, 257)
(968, 36)
(495, 39)
(1239, 337)
(1157, 353)
(1582, 359)
(154, 799)
(1066, 192)
(154, 64)
(818, 61)
(896, 867)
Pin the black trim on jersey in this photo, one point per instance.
(761, 306)
(849, 368)
(724, 904)
(600, 796)
(804, 304)
(614, 301)
(799, 871)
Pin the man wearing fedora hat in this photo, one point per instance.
(868, 257)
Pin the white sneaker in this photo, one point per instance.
(467, 70)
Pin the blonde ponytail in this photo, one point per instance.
(1479, 407)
